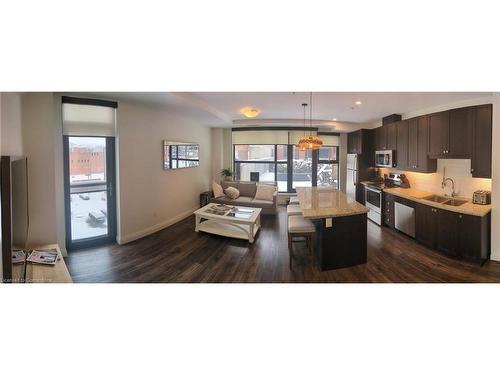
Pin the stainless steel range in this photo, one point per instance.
(373, 194)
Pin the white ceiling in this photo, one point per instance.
(221, 108)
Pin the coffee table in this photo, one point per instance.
(237, 222)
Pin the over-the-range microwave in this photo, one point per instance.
(384, 159)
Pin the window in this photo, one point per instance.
(328, 167)
(287, 165)
(269, 161)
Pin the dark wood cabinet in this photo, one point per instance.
(439, 124)
(455, 234)
(482, 141)
(354, 145)
(388, 210)
(451, 134)
(447, 233)
(460, 133)
(381, 138)
(426, 219)
(392, 136)
(402, 145)
(361, 142)
(418, 134)
(424, 164)
(412, 144)
(473, 237)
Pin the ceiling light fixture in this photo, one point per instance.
(249, 112)
(310, 142)
(334, 119)
(358, 102)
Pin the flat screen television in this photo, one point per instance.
(14, 200)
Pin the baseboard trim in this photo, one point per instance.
(155, 228)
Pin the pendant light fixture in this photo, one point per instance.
(310, 142)
(301, 145)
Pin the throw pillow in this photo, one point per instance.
(232, 192)
(265, 192)
(217, 189)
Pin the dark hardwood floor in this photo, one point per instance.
(178, 254)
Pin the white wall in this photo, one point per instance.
(12, 141)
(495, 191)
(150, 197)
(217, 153)
(41, 137)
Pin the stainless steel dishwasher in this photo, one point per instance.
(404, 219)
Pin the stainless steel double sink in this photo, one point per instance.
(445, 200)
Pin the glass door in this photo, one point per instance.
(90, 191)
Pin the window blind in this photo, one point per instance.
(88, 120)
(330, 140)
(260, 137)
(271, 137)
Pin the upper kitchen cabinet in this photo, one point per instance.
(381, 138)
(439, 130)
(450, 134)
(481, 141)
(392, 136)
(460, 133)
(402, 145)
(418, 135)
(354, 145)
(360, 142)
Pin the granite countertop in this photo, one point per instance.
(416, 195)
(322, 202)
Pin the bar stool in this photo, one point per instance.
(298, 226)
(294, 200)
(293, 209)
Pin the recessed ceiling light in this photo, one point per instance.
(249, 112)
(358, 102)
(334, 119)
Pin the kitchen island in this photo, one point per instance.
(341, 226)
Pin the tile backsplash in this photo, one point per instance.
(457, 169)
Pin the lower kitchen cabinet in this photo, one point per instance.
(474, 237)
(447, 232)
(426, 225)
(388, 210)
(455, 234)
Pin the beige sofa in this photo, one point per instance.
(247, 191)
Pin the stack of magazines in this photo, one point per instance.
(18, 256)
(47, 256)
(219, 209)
